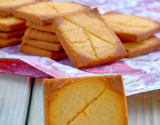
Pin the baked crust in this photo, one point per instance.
(47, 28)
(40, 52)
(11, 23)
(88, 39)
(41, 35)
(7, 7)
(130, 28)
(43, 45)
(12, 33)
(10, 41)
(100, 98)
(136, 49)
(43, 13)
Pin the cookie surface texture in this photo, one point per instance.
(88, 39)
(94, 100)
(130, 28)
(44, 12)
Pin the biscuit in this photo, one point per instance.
(47, 28)
(44, 12)
(10, 41)
(7, 7)
(87, 39)
(92, 100)
(11, 23)
(41, 35)
(43, 45)
(130, 28)
(136, 49)
(12, 33)
(40, 52)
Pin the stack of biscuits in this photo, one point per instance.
(136, 33)
(87, 37)
(40, 38)
(11, 31)
(11, 28)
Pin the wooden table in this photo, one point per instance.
(21, 102)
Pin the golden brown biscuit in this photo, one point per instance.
(10, 41)
(43, 45)
(87, 39)
(41, 35)
(12, 33)
(45, 12)
(11, 23)
(135, 49)
(47, 28)
(130, 28)
(7, 7)
(40, 52)
(66, 7)
(93, 100)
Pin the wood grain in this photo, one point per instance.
(36, 115)
(14, 99)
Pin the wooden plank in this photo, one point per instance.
(36, 115)
(14, 99)
(150, 108)
(131, 109)
(140, 108)
(143, 108)
(157, 107)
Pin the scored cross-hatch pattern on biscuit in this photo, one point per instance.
(92, 40)
(98, 94)
(84, 27)
(91, 45)
(124, 23)
(86, 106)
(99, 27)
(85, 32)
(87, 103)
